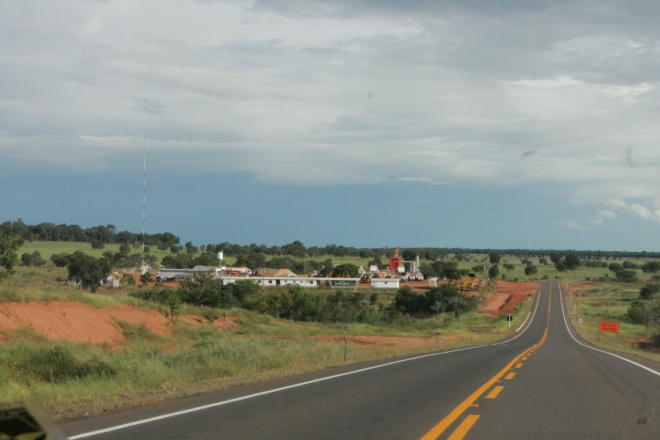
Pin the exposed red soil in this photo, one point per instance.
(58, 320)
(509, 295)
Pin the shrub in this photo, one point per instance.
(626, 276)
(648, 291)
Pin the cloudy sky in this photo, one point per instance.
(367, 123)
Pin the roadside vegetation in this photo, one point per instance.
(278, 331)
(73, 379)
(634, 305)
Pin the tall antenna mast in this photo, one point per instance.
(144, 192)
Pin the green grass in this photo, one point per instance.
(610, 302)
(74, 379)
(88, 379)
(48, 248)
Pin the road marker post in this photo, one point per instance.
(509, 318)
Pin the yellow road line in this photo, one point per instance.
(438, 429)
(493, 394)
(460, 409)
(510, 375)
(519, 365)
(464, 427)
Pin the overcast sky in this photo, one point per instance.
(367, 123)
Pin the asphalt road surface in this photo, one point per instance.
(543, 384)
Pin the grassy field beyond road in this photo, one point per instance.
(609, 302)
(198, 353)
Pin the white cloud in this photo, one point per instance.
(606, 214)
(572, 224)
(642, 212)
(616, 204)
(331, 93)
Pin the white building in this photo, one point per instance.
(296, 281)
(385, 283)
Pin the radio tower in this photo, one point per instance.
(144, 193)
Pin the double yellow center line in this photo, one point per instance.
(471, 419)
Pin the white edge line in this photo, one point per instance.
(529, 323)
(264, 393)
(563, 312)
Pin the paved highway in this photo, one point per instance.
(543, 384)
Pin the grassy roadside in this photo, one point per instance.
(609, 302)
(76, 379)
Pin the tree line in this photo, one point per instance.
(167, 240)
(95, 235)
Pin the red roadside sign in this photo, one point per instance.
(612, 327)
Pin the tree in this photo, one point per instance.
(648, 291)
(346, 271)
(626, 276)
(615, 267)
(530, 270)
(253, 260)
(145, 278)
(87, 270)
(409, 254)
(555, 257)
(651, 267)
(206, 259)
(572, 261)
(33, 259)
(9, 244)
(60, 260)
(26, 259)
(494, 257)
(494, 271)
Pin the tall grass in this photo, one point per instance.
(73, 379)
(610, 302)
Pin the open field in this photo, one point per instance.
(545, 271)
(48, 248)
(609, 302)
(80, 353)
(146, 355)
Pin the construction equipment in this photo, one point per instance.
(467, 283)
(395, 261)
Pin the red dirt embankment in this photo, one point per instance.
(80, 322)
(508, 296)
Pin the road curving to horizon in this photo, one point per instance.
(543, 384)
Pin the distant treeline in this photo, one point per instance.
(109, 234)
(96, 234)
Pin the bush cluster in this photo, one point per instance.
(444, 298)
(294, 302)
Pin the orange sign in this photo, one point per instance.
(612, 327)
